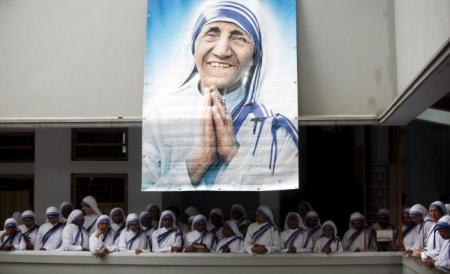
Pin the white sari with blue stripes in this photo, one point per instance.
(262, 234)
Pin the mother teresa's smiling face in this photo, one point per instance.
(223, 55)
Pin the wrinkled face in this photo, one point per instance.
(167, 222)
(311, 221)
(154, 213)
(28, 222)
(416, 219)
(227, 232)
(292, 222)
(117, 217)
(216, 220)
(328, 231)
(260, 218)
(53, 219)
(236, 214)
(103, 226)
(223, 55)
(200, 226)
(445, 233)
(146, 220)
(434, 214)
(134, 227)
(65, 211)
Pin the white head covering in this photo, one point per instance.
(117, 209)
(232, 224)
(216, 211)
(149, 206)
(164, 214)
(330, 224)
(51, 211)
(132, 218)
(63, 204)
(444, 223)
(102, 220)
(74, 215)
(191, 211)
(28, 214)
(267, 212)
(418, 210)
(18, 217)
(92, 203)
(142, 215)
(440, 207)
(313, 214)
(300, 221)
(10, 222)
(355, 217)
(198, 219)
(384, 212)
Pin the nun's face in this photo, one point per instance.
(53, 219)
(358, 225)
(167, 222)
(117, 217)
(223, 55)
(200, 226)
(134, 227)
(236, 214)
(154, 213)
(28, 222)
(146, 220)
(79, 222)
(216, 220)
(434, 214)
(227, 232)
(260, 218)
(311, 221)
(445, 233)
(416, 219)
(65, 211)
(11, 230)
(103, 226)
(292, 222)
(328, 231)
(87, 209)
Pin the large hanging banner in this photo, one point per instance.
(220, 96)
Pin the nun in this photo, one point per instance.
(313, 225)
(11, 238)
(29, 229)
(329, 242)
(262, 236)
(232, 241)
(49, 236)
(198, 239)
(294, 238)
(155, 213)
(407, 240)
(64, 209)
(433, 240)
(117, 216)
(358, 238)
(74, 236)
(443, 259)
(239, 214)
(303, 208)
(215, 225)
(146, 225)
(133, 239)
(101, 242)
(417, 214)
(90, 209)
(383, 223)
(167, 238)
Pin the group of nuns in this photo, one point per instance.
(424, 234)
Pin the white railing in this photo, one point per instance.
(23, 262)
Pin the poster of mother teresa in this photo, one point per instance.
(220, 96)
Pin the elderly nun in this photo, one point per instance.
(262, 236)
(29, 228)
(145, 220)
(117, 216)
(232, 241)
(11, 238)
(329, 242)
(49, 235)
(199, 239)
(101, 242)
(239, 214)
(90, 209)
(74, 235)
(417, 214)
(133, 239)
(358, 238)
(443, 259)
(167, 238)
(433, 240)
(215, 224)
(313, 225)
(294, 238)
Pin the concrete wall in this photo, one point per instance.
(80, 53)
(22, 262)
(53, 168)
(422, 28)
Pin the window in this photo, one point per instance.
(16, 194)
(110, 190)
(100, 144)
(16, 147)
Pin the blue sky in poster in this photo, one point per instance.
(168, 59)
